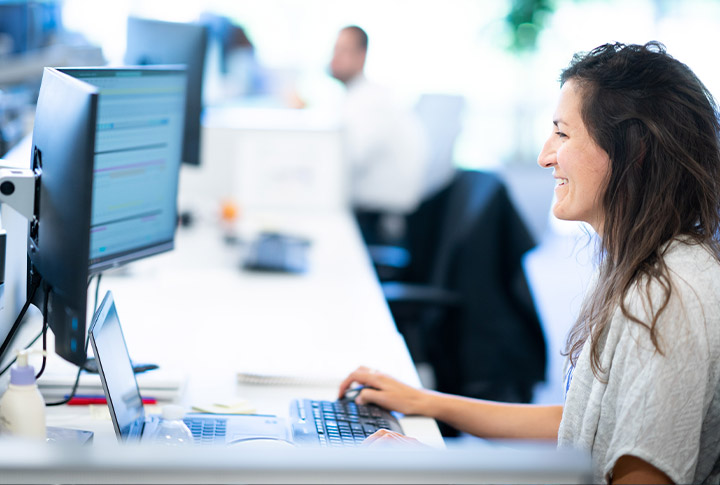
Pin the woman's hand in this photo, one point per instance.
(385, 437)
(385, 391)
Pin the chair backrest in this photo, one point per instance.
(442, 222)
(479, 240)
(470, 193)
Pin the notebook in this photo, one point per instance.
(126, 407)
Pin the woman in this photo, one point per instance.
(635, 154)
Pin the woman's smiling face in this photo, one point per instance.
(580, 166)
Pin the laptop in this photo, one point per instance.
(317, 423)
(132, 424)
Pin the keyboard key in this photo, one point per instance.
(369, 429)
(345, 423)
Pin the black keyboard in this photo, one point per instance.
(338, 423)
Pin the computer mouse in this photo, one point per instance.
(353, 392)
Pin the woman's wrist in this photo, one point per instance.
(429, 403)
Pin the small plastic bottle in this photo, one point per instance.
(171, 429)
(22, 407)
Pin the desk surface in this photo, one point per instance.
(195, 312)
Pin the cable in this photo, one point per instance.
(97, 292)
(72, 391)
(44, 331)
(88, 365)
(87, 342)
(5, 369)
(15, 326)
(77, 381)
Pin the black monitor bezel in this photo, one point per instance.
(59, 242)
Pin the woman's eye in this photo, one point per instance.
(561, 134)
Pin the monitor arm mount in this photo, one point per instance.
(20, 189)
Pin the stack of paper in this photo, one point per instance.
(157, 384)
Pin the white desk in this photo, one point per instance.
(195, 311)
(21, 463)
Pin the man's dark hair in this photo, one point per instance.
(360, 35)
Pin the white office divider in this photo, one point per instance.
(291, 169)
(269, 159)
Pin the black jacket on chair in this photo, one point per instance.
(473, 319)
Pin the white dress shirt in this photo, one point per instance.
(386, 150)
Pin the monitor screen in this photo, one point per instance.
(136, 166)
(152, 42)
(107, 143)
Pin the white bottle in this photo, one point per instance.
(171, 429)
(22, 408)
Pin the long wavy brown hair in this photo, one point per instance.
(659, 125)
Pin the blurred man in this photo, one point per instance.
(384, 142)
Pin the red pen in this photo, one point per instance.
(86, 400)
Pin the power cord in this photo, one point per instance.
(74, 387)
(7, 367)
(44, 332)
(15, 325)
(97, 292)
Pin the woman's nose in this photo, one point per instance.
(547, 157)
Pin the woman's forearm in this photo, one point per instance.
(490, 419)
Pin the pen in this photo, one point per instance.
(86, 400)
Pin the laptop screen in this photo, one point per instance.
(116, 373)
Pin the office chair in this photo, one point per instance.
(441, 118)
(472, 317)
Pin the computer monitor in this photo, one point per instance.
(158, 42)
(63, 149)
(107, 143)
(138, 144)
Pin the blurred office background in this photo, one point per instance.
(502, 56)
(506, 66)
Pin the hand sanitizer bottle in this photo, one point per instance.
(22, 408)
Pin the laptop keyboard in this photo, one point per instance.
(206, 430)
(338, 423)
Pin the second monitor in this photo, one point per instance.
(151, 42)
